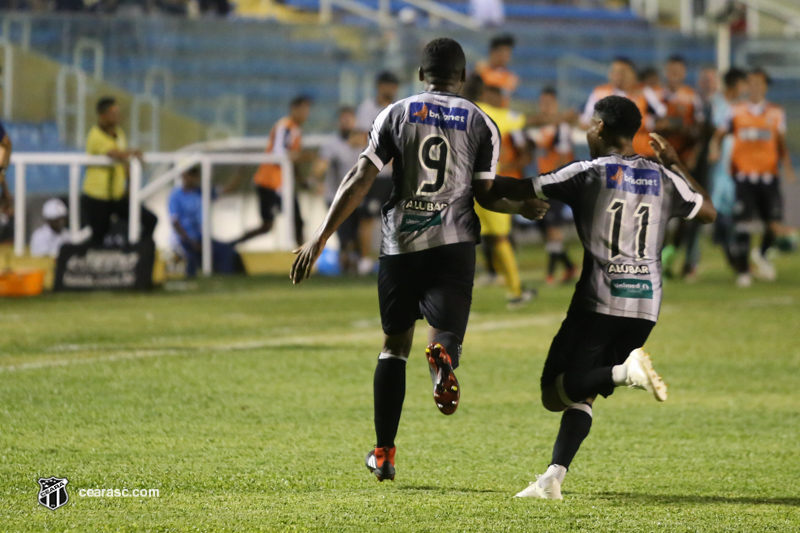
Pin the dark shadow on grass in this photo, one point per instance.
(448, 490)
(696, 499)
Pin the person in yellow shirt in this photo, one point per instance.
(515, 154)
(105, 188)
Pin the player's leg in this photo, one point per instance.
(269, 205)
(445, 304)
(389, 390)
(611, 337)
(399, 304)
(770, 211)
(744, 214)
(574, 423)
(487, 247)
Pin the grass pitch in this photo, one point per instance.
(248, 404)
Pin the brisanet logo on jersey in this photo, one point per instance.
(634, 180)
(439, 116)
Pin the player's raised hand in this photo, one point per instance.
(534, 209)
(665, 153)
(307, 255)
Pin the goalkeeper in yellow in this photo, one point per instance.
(516, 152)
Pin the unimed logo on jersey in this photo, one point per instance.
(635, 180)
(454, 118)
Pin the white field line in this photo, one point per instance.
(299, 340)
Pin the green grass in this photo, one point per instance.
(248, 404)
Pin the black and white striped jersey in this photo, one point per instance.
(621, 206)
(438, 142)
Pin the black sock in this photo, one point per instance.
(767, 241)
(552, 259)
(389, 389)
(740, 251)
(579, 386)
(575, 426)
(565, 259)
(452, 345)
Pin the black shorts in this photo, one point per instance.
(378, 195)
(435, 284)
(758, 201)
(589, 340)
(554, 218)
(269, 203)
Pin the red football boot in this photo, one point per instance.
(380, 462)
(446, 392)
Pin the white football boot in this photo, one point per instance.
(764, 270)
(546, 487)
(642, 376)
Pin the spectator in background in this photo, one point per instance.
(682, 128)
(386, 88)
(623, 81)
(554, 150)
(649, 77)
(723, 188)
(105, 188)
(186, 214)
(495, 72)
(285, 138)
(46, 241)
(515, 155)
(488, 12)
(6, 201)
(336, 158)
(758, 159)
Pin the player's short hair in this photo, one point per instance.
(194, 170)
(387, 77)
(647, 72)
(620, 116)
(734, 76)
(443, 59)
(676, 58)
(347, 109)
(473, 87)
(104, 103)
(505, 39)
(758, 71)
(550, 90)
(301, 99)
(624, 60)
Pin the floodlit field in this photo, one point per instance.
(248, 404)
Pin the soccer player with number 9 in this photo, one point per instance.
(444, 151)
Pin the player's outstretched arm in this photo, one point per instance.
(352, 191)
(669, 158)
(511, 196)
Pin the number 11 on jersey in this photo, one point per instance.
(615, 230)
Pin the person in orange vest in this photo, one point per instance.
(682, 127)
(495, 72)
(759, 151)
(623, 81)
(284, 138)
(684, 111)
(554, 149)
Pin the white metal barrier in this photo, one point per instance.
(8, 77)
(180, 161)
(94, 46)
(383, 14)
